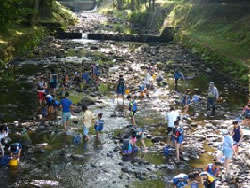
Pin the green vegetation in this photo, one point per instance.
(103, 88)
(21, 25)
(219, 33)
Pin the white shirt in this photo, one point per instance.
(171, 117)
(148, 78)
(87, 119)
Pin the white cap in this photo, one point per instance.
(224, 132)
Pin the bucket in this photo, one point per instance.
(127, 91)
(13, 162)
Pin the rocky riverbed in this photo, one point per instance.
(50, 159)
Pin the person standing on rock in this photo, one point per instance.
(88, 118)
(227, 151)
(148, 82)
(246, 113)
(177, 75)
(212, 95)
(132, 109)
(120, 88)
(99, 125)
(67, 108)
(178, 138)
(237, 137)
(171, 117)
(186, 101)
(41, 87)
(53, 80)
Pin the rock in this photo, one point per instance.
(77, 157)
(156, 139)
(208, 70)
(87, 101)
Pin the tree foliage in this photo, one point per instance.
(14, 12)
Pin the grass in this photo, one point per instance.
(221, 27)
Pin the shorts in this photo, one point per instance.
(170, 129)
(132, 113)
(85, 131)
(211, 101)
(53, 85)
(120, 92)
(228, 153)
(148, 86)
(40, 95)
(179, 139)
(140, 137)
(66, 116)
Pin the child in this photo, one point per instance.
(186, 101)
(178, 138)
(127, 146)
(120, 88)
(99, 125)
(87, 121)
(138, 135)
(132, 109)
(15, 151)
(180, 181)
(148, 82)
(237, 135)
(141, 88)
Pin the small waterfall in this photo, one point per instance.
(84, 36)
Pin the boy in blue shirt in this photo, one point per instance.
(66, 105)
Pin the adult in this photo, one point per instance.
(177, 76)
(120, 88)
(237, 137)
(171, 117)
(212, 95)
(227, 151)
(148, 82)
(246, 113)
(88, 117)
(41, 90)
(67, 108)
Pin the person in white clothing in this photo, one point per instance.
(88, 119)
(148, 82)
(171, 117)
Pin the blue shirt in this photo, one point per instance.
(228, 143)
(66, 103)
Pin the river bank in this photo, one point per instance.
(51, 159)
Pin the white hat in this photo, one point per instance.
(224, 132)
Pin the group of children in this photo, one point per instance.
(14, 149)
(206, 177)
(49, 94)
